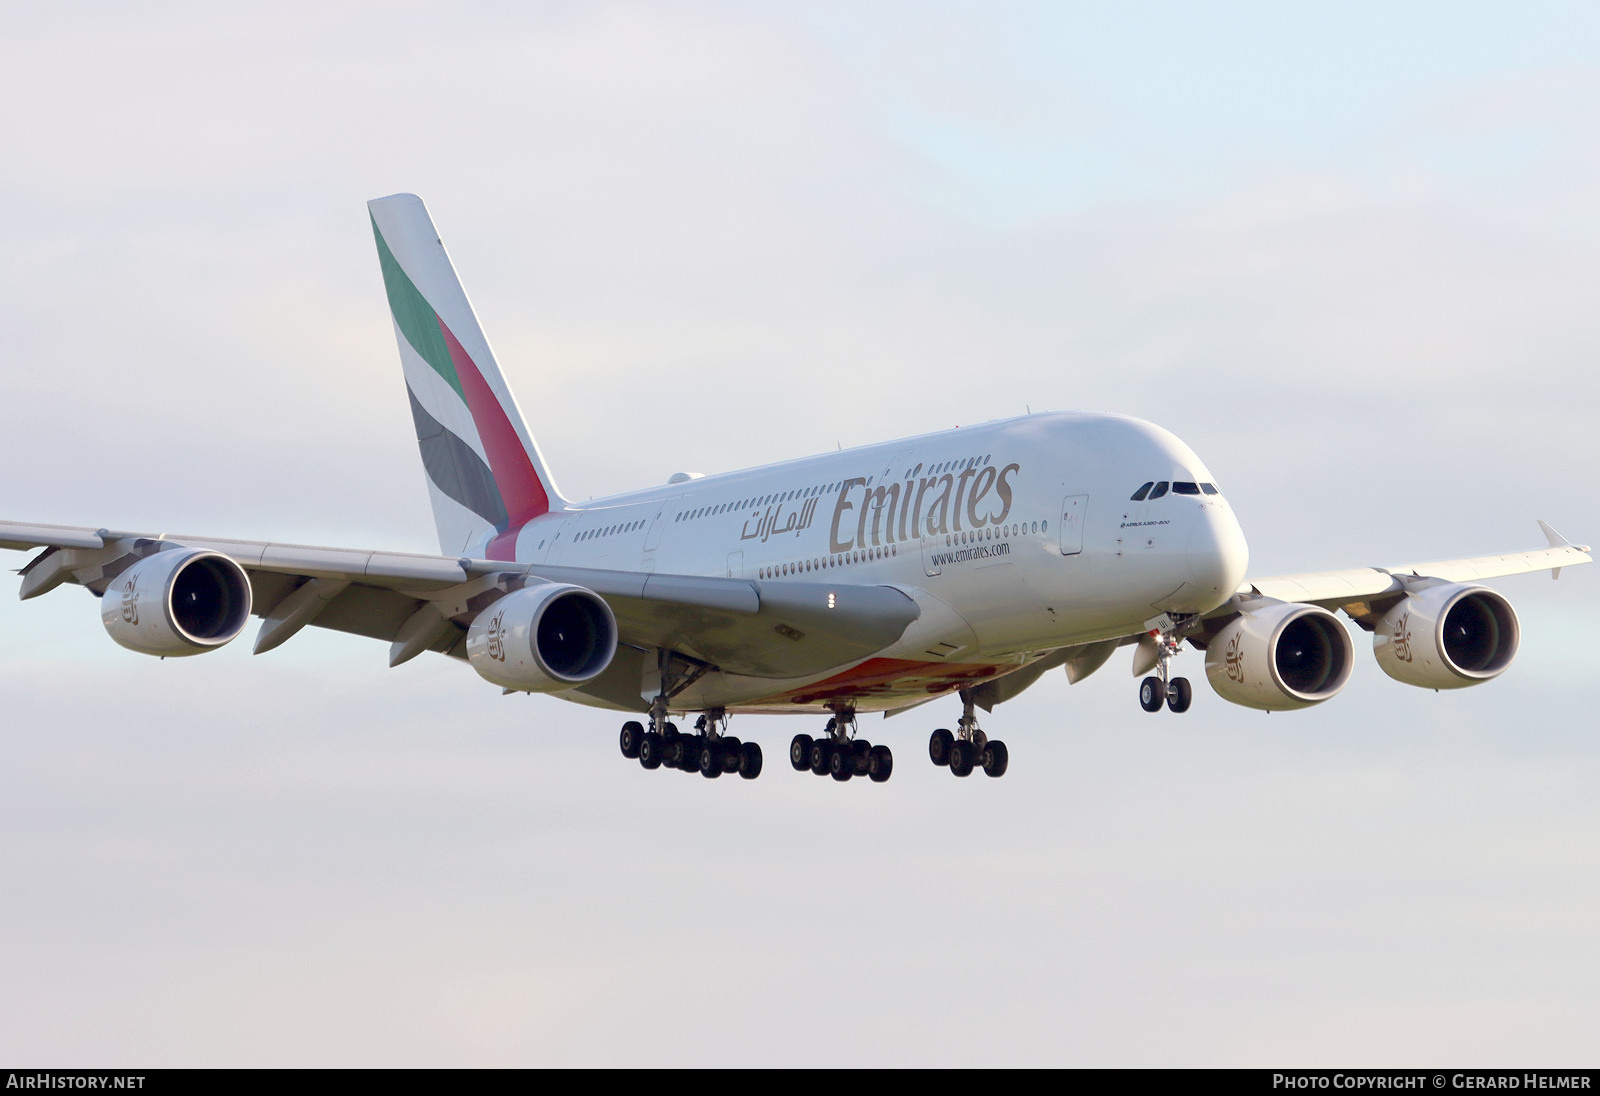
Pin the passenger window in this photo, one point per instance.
(1138, 496)
(1209, 488)
(1185, 488)
(1161, 489)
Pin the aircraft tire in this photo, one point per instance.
(882, 764)
(800, 753)
(961, 759)
(820, 751)
(861, 757)
(750, 760)
(1180, 695)
(710, 759)
(628, 740)
(995, 758)
(650, 750)
(939, 746)
(1151, 695)
(841, 763)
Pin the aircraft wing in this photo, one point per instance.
(1358, 587)
(1363, 593)
(419, 602)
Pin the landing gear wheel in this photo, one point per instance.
(800, 753)
(880, 763)
(995, 757)
(979, 741)
(650, 751)
(939, 746)
(841, 763)
(710, 758)
(632, 733)
(1179, 694)
(731, 750)
(861, 757)
(1151, 694)
(960, 758)
(750, 760)
(820, 750)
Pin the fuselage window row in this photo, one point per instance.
(818, 563)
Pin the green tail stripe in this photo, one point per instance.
(417, 320)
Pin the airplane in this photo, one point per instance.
(967, 562)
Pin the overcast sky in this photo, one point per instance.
(1348, 254)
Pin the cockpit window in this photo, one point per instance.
(1138, 496)
(1183, 487)
(1209, 488)
(1161, 489)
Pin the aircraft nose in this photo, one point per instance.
(1217, 556)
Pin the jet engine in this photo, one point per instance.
(544, 638)
(1447, 637)
(1280, 656)
(183, 601)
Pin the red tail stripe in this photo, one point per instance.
(514, 474)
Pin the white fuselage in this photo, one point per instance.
(1015, 538)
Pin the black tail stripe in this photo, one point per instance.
(455, 469)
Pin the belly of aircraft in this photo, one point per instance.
(874, 685)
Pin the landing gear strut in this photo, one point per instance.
(969, 747)
(839, 753)
(1161, 688)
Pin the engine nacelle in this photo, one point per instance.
(1447, 637)
(183, 601)
(542, 639)
(1280, 656)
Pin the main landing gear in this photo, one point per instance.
(710, 751)
(1161, 688)
(969, 747)
(839, 753)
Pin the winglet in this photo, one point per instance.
(1558, 541)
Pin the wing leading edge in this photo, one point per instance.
(1337, 589)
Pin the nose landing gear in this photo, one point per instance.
(1161, 688)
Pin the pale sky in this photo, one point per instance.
(1347, 254)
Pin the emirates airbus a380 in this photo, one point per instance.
(967, 562)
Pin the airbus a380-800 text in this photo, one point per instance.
(967, 562)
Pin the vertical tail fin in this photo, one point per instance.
(486, 476)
